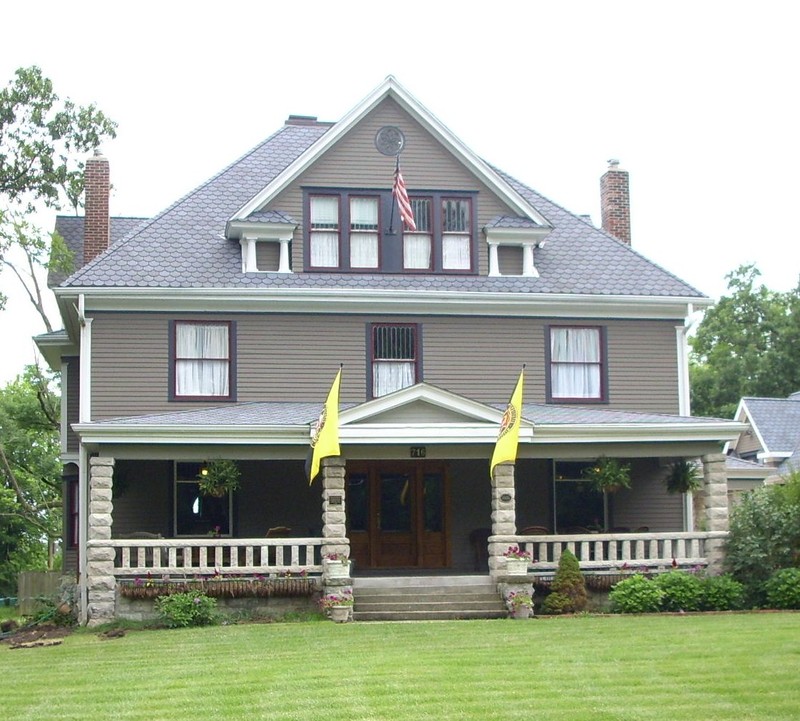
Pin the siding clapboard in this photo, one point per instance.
(353, 162)
(293, 357)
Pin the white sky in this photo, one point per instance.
(698, 100)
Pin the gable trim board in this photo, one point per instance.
(390, 88)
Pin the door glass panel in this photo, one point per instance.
(434, 502)
(396, 501)
(358, 502)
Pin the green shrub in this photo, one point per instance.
(682, 591)
(783, 589)
(764, 536)
(722, 593)
(568, 590)
(636, 594)
(187, 609)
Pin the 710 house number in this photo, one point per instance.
(418, 451)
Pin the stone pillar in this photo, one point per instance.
(504, 516)
(715, 507)
(100, 578)
(333, 506)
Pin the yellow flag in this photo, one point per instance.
(508, 438)
(325, 439)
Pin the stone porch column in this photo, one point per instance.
(504, 515)
(100, 579)
(714, 497)
(333, 506)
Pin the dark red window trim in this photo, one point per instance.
(371, 330)
(173, 360)
(603, 398)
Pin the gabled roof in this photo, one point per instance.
(775, 421)
(390, 88)
(185, 247)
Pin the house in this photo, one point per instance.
(214, 331)
(768, 448)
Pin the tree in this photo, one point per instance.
(42, 142)
(30, 483)
(745, 346)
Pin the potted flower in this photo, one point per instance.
(519, 604)
(683, 476)
(608, 475)
(517, 561)
(218, 478)
(337, 606)
(337, 565)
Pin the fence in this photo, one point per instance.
(33, 584)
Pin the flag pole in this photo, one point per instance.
(394, 200)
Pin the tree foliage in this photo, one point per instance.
(745, 346)
(30, 483)
(43, 142)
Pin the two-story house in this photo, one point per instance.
(214, 330)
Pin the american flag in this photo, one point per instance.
(403, 203)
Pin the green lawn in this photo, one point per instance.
(670, 668)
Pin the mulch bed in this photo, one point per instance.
(41, 635)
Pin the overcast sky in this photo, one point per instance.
(698, 101)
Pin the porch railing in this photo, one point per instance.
(227, 556)
(614, 551)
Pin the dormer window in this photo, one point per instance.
(361, 231)
(324, 231)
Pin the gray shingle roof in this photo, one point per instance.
(777, 421)
(185, 245)
(289, 414)
(71, 229)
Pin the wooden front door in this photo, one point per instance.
(397, 514)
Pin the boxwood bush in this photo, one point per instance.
(636, 594)
(783, 589)
(682, 591)
(722, 593)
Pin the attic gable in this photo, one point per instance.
(391, 89)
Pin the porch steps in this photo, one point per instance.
(426, 598)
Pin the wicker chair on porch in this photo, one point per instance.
(479, 540)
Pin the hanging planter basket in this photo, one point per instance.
(218, 478)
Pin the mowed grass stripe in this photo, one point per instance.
(729, 666)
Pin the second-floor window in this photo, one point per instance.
(394, 358)
(361, 231)
(202, 360)
(577, 370)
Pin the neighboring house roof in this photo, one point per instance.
(185, 246)
(775, 421)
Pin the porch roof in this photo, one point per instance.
(420, 414)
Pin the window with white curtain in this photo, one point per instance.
(359, 230)
(456, 234)
(576, 363)
(202, 360)
(394, 358)
(417, 246)
(364, 233)
(324, 233)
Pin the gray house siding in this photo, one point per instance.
(353, 162)
(284, 356)
(72, 386)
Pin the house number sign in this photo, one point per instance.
(334, 500)
(418, 451)
(506, 498)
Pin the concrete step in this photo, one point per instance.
(406, 598)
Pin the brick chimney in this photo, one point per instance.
(96, 224)
(615, 202)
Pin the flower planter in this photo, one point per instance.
(340, 614)
(517, 566)
(337, 569)
(520, 612)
